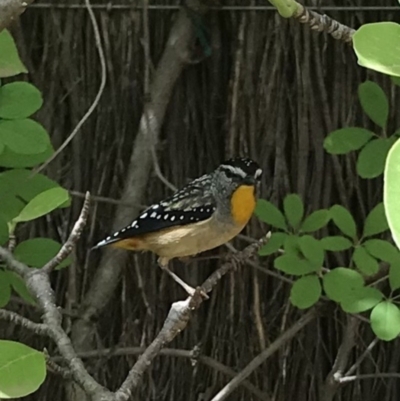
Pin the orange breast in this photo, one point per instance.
(243, 202)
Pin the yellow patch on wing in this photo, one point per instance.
(243, 202)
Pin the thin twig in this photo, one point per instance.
(105, 199)
(348, 379)
(96, 99)
(263, 356)
(13, 317)
(333, 379)
(178, 353)
(73, 238)
(177, 319)
(57, 369)
(367, 351)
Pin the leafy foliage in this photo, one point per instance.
(306, 292)
(10, 63)
(16, 358)
(385, 321)
(374, 43)
(374, 102)
(345, 140)
(391, 191)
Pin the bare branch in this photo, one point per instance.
(12, 317)
(263, 356)
(332, 381)
(178, 318)
(362, 356)
(96, 99)
(10, 10)
(349, 379)
(13, 264)
(73, 238)
(172, 352)
(316, 21)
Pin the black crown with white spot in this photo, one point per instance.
(242, 168)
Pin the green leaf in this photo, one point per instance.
(21, 182)
(274, 244)
(19, 100)
(365, 262)
(376, 221)
(5, 289)
(270, 214)
(345, 140)
(294, 209)
(3, 231)
(396, 80)
(24, 136)
(385, 321)
(336, 243)
(292, 264)
(361, 300)
(22, 369)
(371, 160)
(20, 288)
(391, 191)
(338, 283)
(344, 220)
(394, 277)
(312, 249)
(42, 204)
(305, 292)
(11, 159)
(291, 244)
(10, 206)
(382, 250)
(10, 63)
(315, 221)
(374, 102)
(37, 252)
(377, 47)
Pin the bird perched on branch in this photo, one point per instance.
(206, 213)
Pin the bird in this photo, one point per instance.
(207, 212)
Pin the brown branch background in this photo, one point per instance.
(272, 89)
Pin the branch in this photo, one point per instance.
(12, 317)
(172, 352)
(10, 10)
(332, 381)
(349, 379)
(263, 356)
(317, 22)
(96, 99)
(38, 283)
(178, 318)
(73, 238)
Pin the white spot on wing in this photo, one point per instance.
(154, 214)
(172, 218)
(143, 216)
(166, 216)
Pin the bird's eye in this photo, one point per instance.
(258, 174)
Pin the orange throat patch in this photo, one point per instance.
(243, 202)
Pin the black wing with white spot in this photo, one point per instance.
(192, 204)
